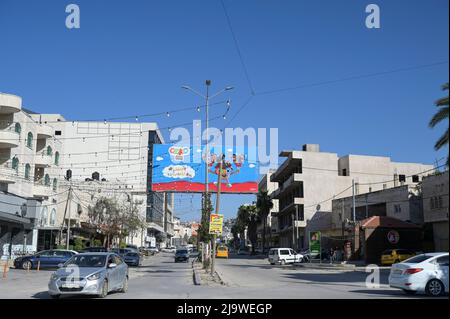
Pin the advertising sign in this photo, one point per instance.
(215, 224)
(314, 242)
(182, 169)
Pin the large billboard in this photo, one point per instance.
(182, 169)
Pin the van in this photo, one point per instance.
(283, 256)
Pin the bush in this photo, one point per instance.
(123, 245)
(78, 244)
(97, 243)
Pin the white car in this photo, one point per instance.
(426, 273)
(284, 256)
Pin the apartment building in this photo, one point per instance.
(38, 152)
(435, 207)
(29, 184)
(272, 220)
(308, 180)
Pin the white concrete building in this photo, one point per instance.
(309, 179)
(108, 159)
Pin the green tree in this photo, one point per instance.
(264, 204)
(441, 115)
(203, 230)
(248, 216)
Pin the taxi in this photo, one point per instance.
(222, 251)
(394, 256)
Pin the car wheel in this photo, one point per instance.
(104, 291)
(434, 288)
(272, 263)
(27, 265)
(409, 292)
(283, 262)
(124, 286)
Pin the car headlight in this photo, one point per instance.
(94, 276)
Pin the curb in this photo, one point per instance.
(326, 266)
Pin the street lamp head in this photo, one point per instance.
(228, 88)
(208, 82)
(185, 87)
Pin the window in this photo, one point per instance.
(44, 216)
(55, 184)
(57, 132)
(442, 261)
(27, 171)
(15, 164)
(402, 178)
(49, 151)
(440, 203)
(53, 217)
(344, 172)
(415, 178)
(47, 180)
(30, 140)
(56, 158)
(397, 208)
(18, 128)
(284, 252)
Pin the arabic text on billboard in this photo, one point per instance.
(215, 224)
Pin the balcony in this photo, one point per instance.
(10, 103)
(44, 131)
(291, 206)
(293, 181)
(8, 175)
(9, 138)
(43, 160)
(40, 189)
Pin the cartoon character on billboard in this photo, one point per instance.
(229, 168)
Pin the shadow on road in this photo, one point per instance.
(335, 277)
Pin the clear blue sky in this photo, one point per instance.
(131, 57)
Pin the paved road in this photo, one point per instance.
(256, 278)
(248, 278)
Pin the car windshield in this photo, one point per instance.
(182, 251)
(417, 259)
(132, 255)
(95, 261)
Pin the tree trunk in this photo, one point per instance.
(264, 234)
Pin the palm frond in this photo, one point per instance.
(442, 141)
(441, 115)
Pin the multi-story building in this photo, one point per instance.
(38, 152)
(271, 227)
(310, 179)
(435, 207)
(29, 184)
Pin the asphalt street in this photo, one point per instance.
(246, 277)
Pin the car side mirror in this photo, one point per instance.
(113, 265)
(60, 265)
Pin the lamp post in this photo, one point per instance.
(207, 97)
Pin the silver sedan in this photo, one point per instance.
(90, 274)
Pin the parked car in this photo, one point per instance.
(182, 255)
(393, 256)
(133, 248)
(90, 274)
(45, 259)
(425, 273)
(132, 259)
(222, 251)
(283, 256)
(121, 251)
(94, 250)
(153, 250)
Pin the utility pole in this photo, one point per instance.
(68, 222)
(297, 244)
(293, 230)
(219, 187)
(353, 200)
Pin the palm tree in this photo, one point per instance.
(441, 115)
(264, 204)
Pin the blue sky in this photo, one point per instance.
(131, 57)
